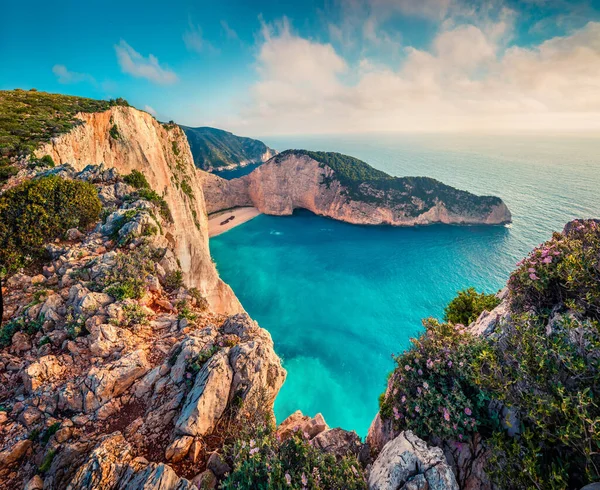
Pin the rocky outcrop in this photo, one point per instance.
(408, 463)
(162, 154)
(295, 180)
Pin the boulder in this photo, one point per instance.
(178, 449)
(338, 442)
(45, 370)
(109, 381)
(297, 422)
(407, 462)
(207, 400)
(14, 453)
(217, 465)
(205, 480)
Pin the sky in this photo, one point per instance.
(319, 67)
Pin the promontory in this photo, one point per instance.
(348, 189)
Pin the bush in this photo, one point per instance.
(174, 280)
(37, 211)
(7, 171)
(21, 324)
(154, 198)
(126, 279)
(263, 462)
(563, 272)
(137, 180)
(114, 132)
(433, 391)
(134, 314)
(468, 305)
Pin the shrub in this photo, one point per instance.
(126, 279)
(37, 211)
(468, 305)
(433, 390)
(187, 189)
(154, 198)
(7, 171)
(114, 132)
(264, 462)
(196, 364)
(49, 432)
(563, 272)
(137, 180)
(174, 280)
(184, 311)
(134, 314)
(201, 302)
(21, 324)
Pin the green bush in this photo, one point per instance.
(154, 198)
(263, 462)
(468, 305)
(127, 278)
(114, 132)
(21, 324)
(37, 211)
(134, 314)
(433, 391)
(174, 280)
(137, 180)
(564, 272)
(7, 171)
(196, 363)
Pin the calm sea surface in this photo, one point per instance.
(339, 299)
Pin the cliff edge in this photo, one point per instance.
(347, 189)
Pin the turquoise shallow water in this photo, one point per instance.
(339, 299)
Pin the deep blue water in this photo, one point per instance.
(339, 299)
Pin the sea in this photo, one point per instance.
(339, 300)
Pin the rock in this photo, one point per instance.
(297, 422)
(63, 434)
(74, 234)
(380, 433)
(39, 279)
(30, 416)
(20, 343)
(489, 320)
(338, 442)
(154, 477)
(14, 453)
(205, 480)
(46, 370)
(217, 465)
(178, 449)
(207, 400)
(404, 459)
(36, 483)
(109, 381)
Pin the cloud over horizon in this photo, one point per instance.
(469, 78)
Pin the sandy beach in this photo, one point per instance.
(223, 221)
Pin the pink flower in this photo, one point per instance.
(533, 277)
(304, 480)
(417, 408)
(460, 436)
(468, 411)
(531, 269)
(420, 372)
(407, 367)
(426, 385)
(403, 398)
(288, 478)
(429, 363)
(547, 260)
(254, 450)
(446, 415)
(449, 363)
(396, 413)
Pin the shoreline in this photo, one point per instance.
(223, 221)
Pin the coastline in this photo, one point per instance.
(223, 221)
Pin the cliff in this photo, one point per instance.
(344, 188)
(215, 149)
(128, 139)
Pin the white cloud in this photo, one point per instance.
(135, 64)
(194, 40)
(66, 76)
(468, 80)
(229, 32)
(150, 109)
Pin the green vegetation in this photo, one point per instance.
(187, 189)
(185, 312)
(134, 314)
(28, 118)
(365, 183)
(263, 462)
(542, 364)
(153, 197)
(173, 280)
(196, 364)
(47, 461)
(20, 324)
(137, 180)
(127, 278)
(37, 211)
(49, 432)
(214, 148)
(468, 305)
(114, 132)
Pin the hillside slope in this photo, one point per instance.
(215, 149)
(347, 189)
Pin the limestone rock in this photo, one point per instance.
(217, 465)
(297, 422)
(45, 370)
(178, 449)
(207, 400)
(338, 442)
(14, 453)
(408, 463)
(36, 483)
(107, 382)
(205, 480)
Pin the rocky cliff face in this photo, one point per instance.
(128, 139)
(295, 181)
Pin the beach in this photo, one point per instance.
(222, 221)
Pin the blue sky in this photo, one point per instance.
(269, 67)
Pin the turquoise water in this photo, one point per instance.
(339, 299)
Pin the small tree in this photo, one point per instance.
(468, 305)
